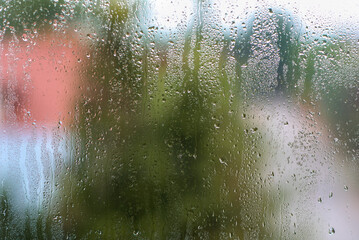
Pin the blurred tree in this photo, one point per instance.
(284, 35)
(156, 159)
(289, 47)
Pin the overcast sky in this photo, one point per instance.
(337, 15)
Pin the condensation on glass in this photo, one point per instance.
(179, 119)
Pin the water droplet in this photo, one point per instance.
(222, 162)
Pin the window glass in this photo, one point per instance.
(192, 119)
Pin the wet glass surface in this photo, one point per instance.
(179, 119)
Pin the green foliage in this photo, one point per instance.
(22, 14)
(156, 160)
(5, 218)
